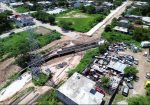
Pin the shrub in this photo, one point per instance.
(42, 79)
(130, 70)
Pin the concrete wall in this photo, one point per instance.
(65, 99)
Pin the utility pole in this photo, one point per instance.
(35, 58)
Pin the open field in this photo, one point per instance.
(14, 44)
(22, 9)
(81, 22)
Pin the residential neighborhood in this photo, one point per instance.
(72, 52)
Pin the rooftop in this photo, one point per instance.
(78, 88)
(121, 29)
(117, 66)
(124, 21)
(146, 19)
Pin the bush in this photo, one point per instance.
(139, 100)
(103, 48)
(50, 98)
(130, 70)
(105, 82)
(42, 79)
(108, 28)
(65, 25)
(44, 17)
(148, 90)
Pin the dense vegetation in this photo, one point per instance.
(41, 80)
(50, 98)
(44, 17)
(141, 11)
(19, 43)
(130, 70)
(135, 36)
(5, 23)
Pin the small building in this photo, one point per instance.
(140, 4)
(124, 23)
(145, 44)
(29, 4)
(23, 20)
(146, 20)
(16, 4)
(121, 29)
(56, 10)
(79, 90)
(117, 66)
(44, 2)
(107, 4)
(133, 17)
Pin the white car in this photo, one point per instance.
(148, 75)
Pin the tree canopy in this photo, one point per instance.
(130, 70)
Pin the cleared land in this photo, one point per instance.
(81, 22)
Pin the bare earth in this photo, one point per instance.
(7, 68)
(143, 67)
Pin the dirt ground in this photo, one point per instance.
(7, 68)
(42, 30)
(143, 67)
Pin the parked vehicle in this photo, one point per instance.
(12, 33)
(148, 75)
(129, 85)
(125, 91)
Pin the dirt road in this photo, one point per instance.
(143, 67)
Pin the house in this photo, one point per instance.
(23, 20)
(145, 44)
(140, 4)
(44, 2)
(146, 20)
(133, 17)
(121, 29)
(8, 1)
(56, 10)
(104, 6)
(124, 23)
(16, 4)
(79, 90)
(29, 4)
(107, 4)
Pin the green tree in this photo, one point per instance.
(141, 34)
(103, 48)
(44, 17)
(90, 9)
(42, 79)
(130, 70)
(66, 25)
(108, 28)
(105, 82)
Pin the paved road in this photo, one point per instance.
(16, 31)
(114, 14)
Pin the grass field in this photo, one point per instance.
(16, 43)
(81, 22)
(22, 9)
